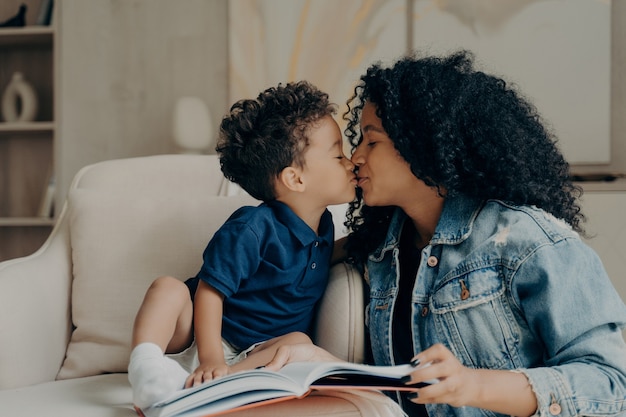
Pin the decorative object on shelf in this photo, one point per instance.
(192, 128)
(46, 207)
(18, 20)
(19, 101)
(45, 13)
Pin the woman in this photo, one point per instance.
(467, 232)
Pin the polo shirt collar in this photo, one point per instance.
(305, 235)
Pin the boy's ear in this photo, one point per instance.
(291, 178)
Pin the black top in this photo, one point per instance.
(403, 349)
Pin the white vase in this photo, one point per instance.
(192, 127)
(19, 101)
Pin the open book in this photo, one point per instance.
(247, 389)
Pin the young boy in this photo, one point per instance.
(266, 268)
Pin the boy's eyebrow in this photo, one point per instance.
(335, 144)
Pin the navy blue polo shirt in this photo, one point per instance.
(272, 269)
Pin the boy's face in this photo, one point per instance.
(328, 173)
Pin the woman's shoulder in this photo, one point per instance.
(530, 221)
(514, 235)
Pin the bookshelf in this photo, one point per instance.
(26, 148)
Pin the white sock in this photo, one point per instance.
(152, 375)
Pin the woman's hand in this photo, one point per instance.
(457, 384)
(206, 372)
(501, 391)
(305, 352)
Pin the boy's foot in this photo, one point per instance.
(152, 375)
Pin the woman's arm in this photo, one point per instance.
(208, 304)
(569, 303)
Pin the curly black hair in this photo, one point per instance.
(259, 138)
(463, 131)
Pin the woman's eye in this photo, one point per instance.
(371, 144)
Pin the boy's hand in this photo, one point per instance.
(205, 373)
(305, 352)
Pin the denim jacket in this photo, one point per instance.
(509, 287)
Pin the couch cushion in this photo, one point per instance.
(340, 325)
(120, 244)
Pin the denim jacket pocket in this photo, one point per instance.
(472, 312)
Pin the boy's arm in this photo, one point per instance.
(339, 252)
(208, 305)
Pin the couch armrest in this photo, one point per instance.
(340, 327)
(35, 323)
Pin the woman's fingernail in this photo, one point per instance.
(415, 362)
(405, 379)
(412, 395)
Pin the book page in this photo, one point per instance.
(346, 375)
(239, 388)
(310, 372)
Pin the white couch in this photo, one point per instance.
(66, 311)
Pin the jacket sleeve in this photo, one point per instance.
(569, 303)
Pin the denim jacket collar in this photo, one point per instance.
(454, 226)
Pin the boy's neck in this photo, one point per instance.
(309, 214)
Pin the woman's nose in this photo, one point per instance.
(357, 157)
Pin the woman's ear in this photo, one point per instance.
(291, 178)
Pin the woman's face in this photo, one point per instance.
(383, 175)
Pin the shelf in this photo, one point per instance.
(27, 127)
(26, 221)
(26, 147)
(27, 35)
(618, 185)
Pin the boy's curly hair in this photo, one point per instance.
(464, 131)
(259, 138)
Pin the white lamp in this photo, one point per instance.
(192, 128)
